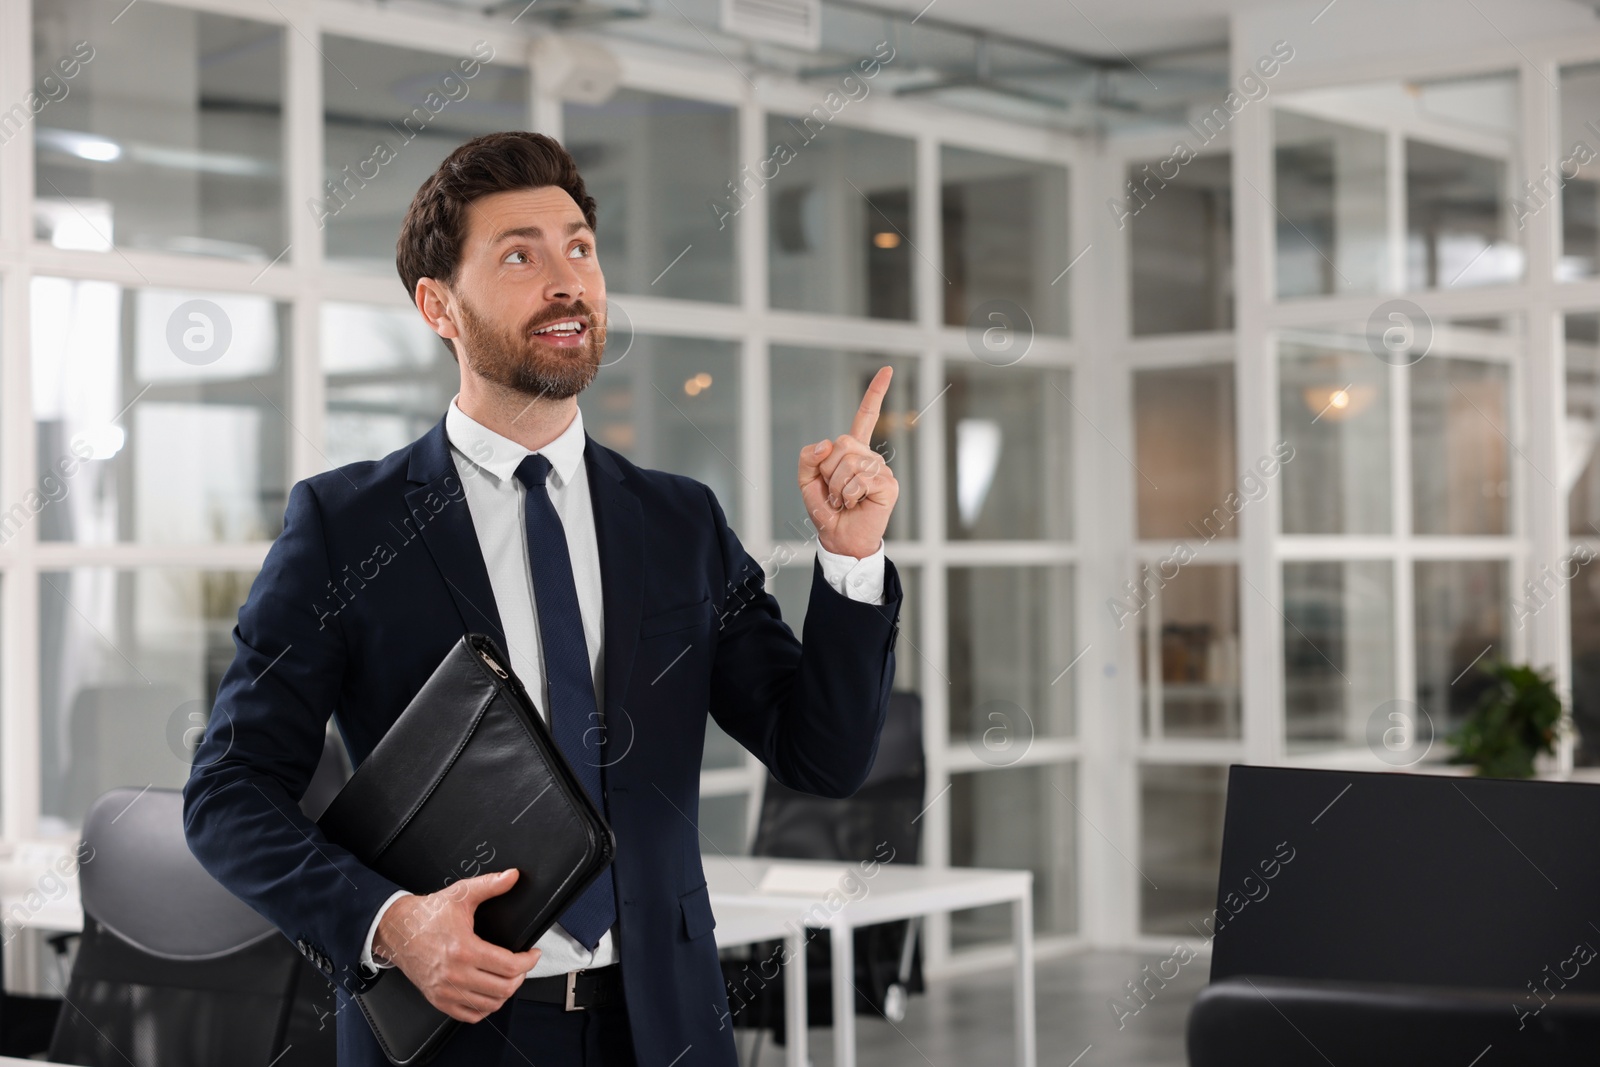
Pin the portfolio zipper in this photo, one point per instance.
(513, 683)
(493, 666)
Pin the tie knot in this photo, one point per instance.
(532, 470)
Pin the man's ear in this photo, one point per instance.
(433, 299)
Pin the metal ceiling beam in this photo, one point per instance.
(1087, 60)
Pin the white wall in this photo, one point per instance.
(1425, 31)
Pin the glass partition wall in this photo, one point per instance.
(1402, 527)
(1350, 484)
(199, 307)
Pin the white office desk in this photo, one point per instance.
(746, 914)
(33, 905)
(63, 916)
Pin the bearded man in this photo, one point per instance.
(628, 608)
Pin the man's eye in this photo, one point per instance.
(524, 256)
(580, 250)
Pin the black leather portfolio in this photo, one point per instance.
(467, 781)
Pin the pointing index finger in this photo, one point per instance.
(871, 404)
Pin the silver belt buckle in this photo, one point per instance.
(572, 982)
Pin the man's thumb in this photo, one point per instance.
(483, 886)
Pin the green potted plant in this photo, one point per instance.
(1516, 718)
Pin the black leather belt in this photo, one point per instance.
(575, 989)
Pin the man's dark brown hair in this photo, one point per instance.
(436, 223)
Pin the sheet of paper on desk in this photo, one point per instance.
(804, 879)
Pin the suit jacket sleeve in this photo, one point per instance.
(242, 814)
(810, 709)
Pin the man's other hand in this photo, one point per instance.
(431, 939)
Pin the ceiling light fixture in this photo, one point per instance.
(1337, 403)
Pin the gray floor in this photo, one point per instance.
(968, 1020)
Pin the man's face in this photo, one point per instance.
(530, 297)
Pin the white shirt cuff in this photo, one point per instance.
(859, 579)
(367, 959)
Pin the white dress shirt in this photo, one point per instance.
(496, 501)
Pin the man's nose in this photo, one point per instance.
(564, 283)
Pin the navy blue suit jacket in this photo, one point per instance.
(378, 573)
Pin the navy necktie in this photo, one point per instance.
(573, 715)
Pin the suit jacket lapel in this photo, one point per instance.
(619, 529)
(438, 508)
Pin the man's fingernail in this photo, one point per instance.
(820, 446)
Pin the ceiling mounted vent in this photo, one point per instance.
(797, 23)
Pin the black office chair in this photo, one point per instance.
(175, 971)
(1319, 958)
(794, 825)
(1266, 1021)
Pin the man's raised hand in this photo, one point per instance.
(848, 488)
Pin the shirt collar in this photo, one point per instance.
(500, 456)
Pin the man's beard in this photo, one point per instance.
(514, 360)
